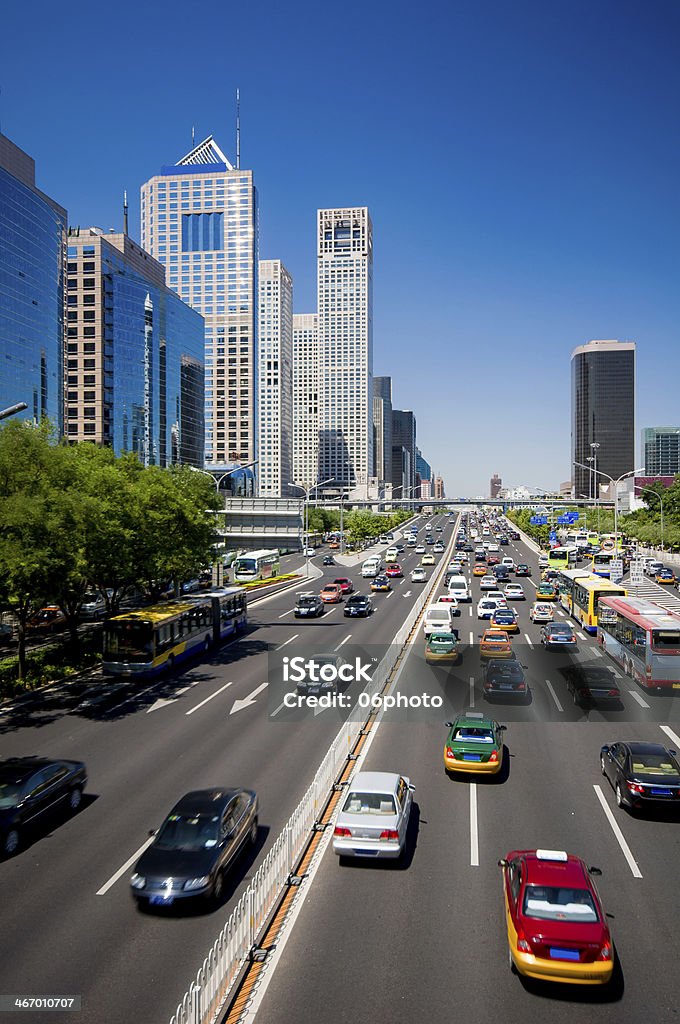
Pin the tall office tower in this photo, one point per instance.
(602, 412)
(661, 451)
(382, 428)
(423, 467)
(275, 379)
(439, 487)
(199, 219)
(345, 327)
(305, 400)
(404, 435)
(135, 378)
(32, 289)
(495, 485)
(426, 488)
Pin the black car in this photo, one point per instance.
(591, 684)
(522, 569)
(358, 604)
(31, 790)
(430, 540)
(504, 677)
(194, 846)
(501, 572)
(513, 535)
(328, 560)
(503, 541)
(309, 606)
(641, 773)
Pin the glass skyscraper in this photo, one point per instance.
(32, 264)
(602, 412)
(199, 219)
(135, 376)
(345, 332)
(661, 451)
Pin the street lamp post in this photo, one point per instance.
(594, 447)
(652, 491)
(218, 576)
(12, 410)
(615, 485)
(305, 515)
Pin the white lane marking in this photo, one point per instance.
(641, 701)
(560, 612)
(470, 611)
(582, 636)
(163, 702)
(342, 642)
(625, 848)
(472, 691)
(554, 695)
(671, 735)
(389, 595)
(529, 580)
(528, 639)
(239, 705)
(472, 638)
(288, 641)
(128, 864)
(597, 652)
(289, 612)
(402, 581)
(215, 694)
(474, 834)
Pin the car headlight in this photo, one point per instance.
(197, 883)
(138, 881)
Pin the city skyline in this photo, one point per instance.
(555, 205)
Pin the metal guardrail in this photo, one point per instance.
(208, 992)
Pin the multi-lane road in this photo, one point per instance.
(69, 922)
(425, 940)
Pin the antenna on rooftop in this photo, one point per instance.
(193, 136)
(238, 129)
(125, 212)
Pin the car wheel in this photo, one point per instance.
(75, 799)
(619, 795)
(253, 832)
(10, 843)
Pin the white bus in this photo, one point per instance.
(256, 565)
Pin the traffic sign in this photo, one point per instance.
(563, 519)
(616, 570)
(637, 572)
(553, 535)
(573, 516)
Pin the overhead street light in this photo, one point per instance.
(11, 410)
(305, 514)
(615, 485)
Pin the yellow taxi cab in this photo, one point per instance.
(495, 643)
(479, 569)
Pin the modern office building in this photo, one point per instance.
(661, 451)
(439, 487)
(305, 400)
(426, 488)
(134, 374)
(382, 428)
(602, 412)
(401, 472)
(199, 219)
(275, 379)
(345, 331)
(495, 486)
(423, 467)
(32, 290)
(404, 435)
(382, 387)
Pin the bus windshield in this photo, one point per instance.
(245, 565)
(131, 640)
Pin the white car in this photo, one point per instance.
(543, 561)
(373, 821)
(418, 576)
(451, 603)
(309, 552)
(513, 592)
(462, 557)
(486, 606)
(510, 562)
(541, 612)
(438, 549)
(420, 550)
(488, 583)
(499, 596)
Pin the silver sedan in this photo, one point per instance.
(374, 817)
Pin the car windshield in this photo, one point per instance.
(10, 794)
(553, 903)
(307, 602)
(474, 735)
(653, 764)
(369, 803)
(508, 671)
(179, 832)
(560, 627)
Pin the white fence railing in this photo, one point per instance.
(208, 992)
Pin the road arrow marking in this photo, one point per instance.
(247, 701)
(407, 594)
(164, 701)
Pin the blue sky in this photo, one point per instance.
(520, 162)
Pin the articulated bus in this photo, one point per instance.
(580, 594)
(643, 638)
(563, 557)
(145, 642)
(256, 565)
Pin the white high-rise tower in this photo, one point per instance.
(275, 379)
(345, 345)
(305, 400)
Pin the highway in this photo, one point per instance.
(425, 940)
(73, 925)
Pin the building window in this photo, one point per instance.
(202, 231)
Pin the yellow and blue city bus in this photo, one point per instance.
(145, 642)
(586, 592)
(563, 557)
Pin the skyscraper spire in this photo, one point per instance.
(238, 129)
(125, 213)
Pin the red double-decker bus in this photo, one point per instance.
(643, 638)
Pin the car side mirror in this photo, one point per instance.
(502, 728)
(594, 871)
(412, 788)
(449, 725)
(502, 863)
(673, 753)
(153, 831)
(605, 749)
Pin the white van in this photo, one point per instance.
(458, 588)
(510, 562)
(371, 566)
(437, 616)
(391, 555)
(411, 540)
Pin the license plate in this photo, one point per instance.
(472, 757)
(365, 853)
(661, 792)
(506, 686)
(161, 900)
(565, 954)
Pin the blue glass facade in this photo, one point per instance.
(32, 265)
